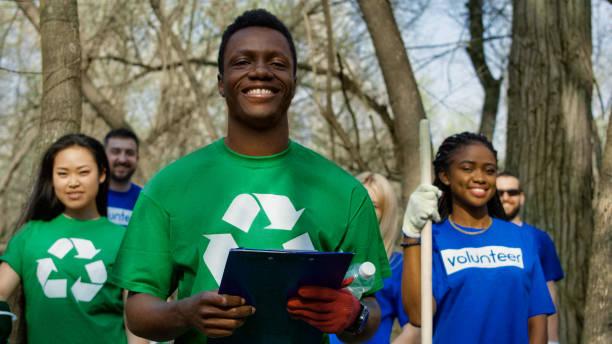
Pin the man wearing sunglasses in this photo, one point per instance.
(512, 198)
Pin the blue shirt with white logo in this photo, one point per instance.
(548, 254)
(121, 204)
(486, 285)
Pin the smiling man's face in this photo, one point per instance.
(258, 81)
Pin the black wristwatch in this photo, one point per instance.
(357, 326)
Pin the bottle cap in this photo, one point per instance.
(367, 270)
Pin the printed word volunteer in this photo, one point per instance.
(481, 257)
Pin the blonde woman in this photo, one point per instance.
(390, 297)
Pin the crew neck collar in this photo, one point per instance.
(122, 192)
(63, 217)
(468, 230)
(254, 161)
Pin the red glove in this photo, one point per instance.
(329, 310)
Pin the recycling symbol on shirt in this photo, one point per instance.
(241, 213)
(57, 288)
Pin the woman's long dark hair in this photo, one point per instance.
(42, 203)
(444, 158)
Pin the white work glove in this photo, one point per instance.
(422, 206)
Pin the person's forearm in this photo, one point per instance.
(153, 318)
(411, 282)
(537, 329)
(553, 319)
(9, 281)
(131, 338)
(371, 325)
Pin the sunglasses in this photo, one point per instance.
(511, 192)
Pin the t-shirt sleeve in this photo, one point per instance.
(144, 263)
(14, 251)
(363, 237)
(539, 296)
(549, 259)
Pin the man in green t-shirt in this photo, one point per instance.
(255, 189)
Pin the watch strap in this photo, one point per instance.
(358, 325)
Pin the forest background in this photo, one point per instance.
(533, 75)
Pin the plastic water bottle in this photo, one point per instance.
(363, 278)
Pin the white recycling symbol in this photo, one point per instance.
(241, 213)
(82, 291)
(279, 210)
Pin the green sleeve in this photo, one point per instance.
(144, 262)
(363, 237)
(14, 251)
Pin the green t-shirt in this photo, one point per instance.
(193, 211)
(64, 265)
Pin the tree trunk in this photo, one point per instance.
(61, 107)
(476, 52)
(597, 317)
(401, 86)
(550, 137)
(114, 117)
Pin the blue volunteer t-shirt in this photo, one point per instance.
(551, 267)
(390, 302)
(121, 204)
(486, 285)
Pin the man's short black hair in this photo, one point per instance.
(121, 132)
(258, 17)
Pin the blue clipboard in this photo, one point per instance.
(267, 279)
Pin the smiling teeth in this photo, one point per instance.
(259, 91)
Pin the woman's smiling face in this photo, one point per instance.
(76, 182)
(471, 176)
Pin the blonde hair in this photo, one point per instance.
(387, 202)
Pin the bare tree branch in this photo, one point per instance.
(18, 71)
(379, 148)
(347, 101)
(31, 11)
(97, 39)
(194, 60)
(454, 44)
(113, 117)
(353, 87)
(491, 86)
(348, 84)
(195, 85)
(329, 110)
(25, 147)
(331, 119)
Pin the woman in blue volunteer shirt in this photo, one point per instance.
(488, 285)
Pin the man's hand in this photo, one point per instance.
(329, 310)
(422, 206)
(214, 314)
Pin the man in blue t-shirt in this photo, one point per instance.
(512, 198)
(121, 146)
